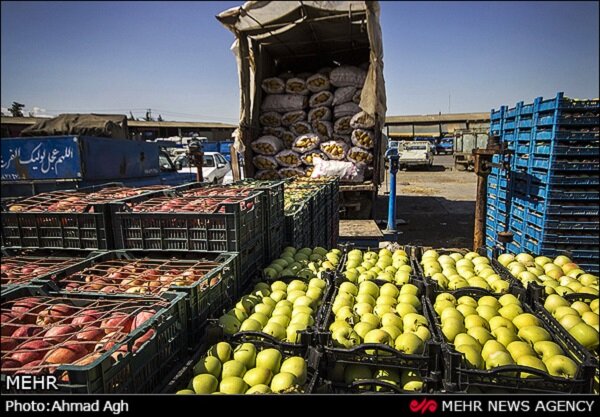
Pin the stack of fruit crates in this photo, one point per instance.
(549, 197)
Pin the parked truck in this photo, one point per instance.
(34, 164)
(415, 154)
(275, 37)
(464, 143)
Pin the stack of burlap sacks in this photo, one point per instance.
(309, 116)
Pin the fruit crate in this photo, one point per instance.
(562, 102)
(311, 355)
(566, 135)
(274, 240)
(298, 225)
(207, 296)
(432, 288)
(47, 263)
(376, 354)
(371, 386)
(87, 230)
(460, 378)
(139, 361)
(306, 337)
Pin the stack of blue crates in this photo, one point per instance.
(549, 197)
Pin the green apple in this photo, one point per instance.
(296, 366)
(533, 334)
(402, 277)
(370, 288)
(361, 309)
(240, 315)
(259, 317)
(371, 318)
(185, 392)
(505, 335)
(283, 382)
(586, 335)
(520, 348)
(451, 328)
(230, 324)
(245, 354)
(570, 320)
(445, 296)
(377, 336)
(499, 321)
(278, 295)
(553, 301)
(467, 300)
(409, 289)
(546, 349)
(481, 334)
(337, 324)
(525, 320)
(581, 307)
(476, 321)
(233, 368)
(450, 312)
(562, 366)
(590, 318)
(259, 389)
(505, 259)
(562, 311)
(498, 358)
(391, 319)
(292, 332)
(409, 343)
(472, 356)
(257, 376)
(221, 350)
(208, 365)
(386, 300)
(403, 309)
(442, 305)
(510, 311)
(345, 337)
(410, 299)
(292, 296)
(412, 321)
(393, 331)
(365, 298)
(531, 361)
(490, 347)
(297, 285)
(282, 310)
(381, 309)
(302, 318)
(391, 376)
(466, 310)
(314, 293)
(423, 333)
(251, 325)
(205, 384)
(487, 312)
(349, 288)
(270, 359)
(275, 329)
(345, 313)
(466, 339)
(362, 328)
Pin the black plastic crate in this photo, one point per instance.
(459, 378)
(52, 260)
(576, 348)
(297, 226)
(274, 240)
(228, 231)
(311, 354)
(307, 337)
(129, 366)
(250, 263)
(370, 386)
(427, 364)
(89, 230)
(207, 296)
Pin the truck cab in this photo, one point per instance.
(419, 153)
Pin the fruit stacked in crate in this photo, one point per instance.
(548, 195)
(310, 116)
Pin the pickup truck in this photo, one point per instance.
(445, 146)
(415, 154)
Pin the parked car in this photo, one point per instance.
(445, 146)
(415, 154)
(214, 166)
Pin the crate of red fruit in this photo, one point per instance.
(67, 219)
(219, 223)
(206, 279)
(20, 267)
(92, 345)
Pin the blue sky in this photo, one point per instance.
(174, 57)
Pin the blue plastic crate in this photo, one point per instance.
(518, 211)
(496, 126)
(561, 165)
(525, 136)
(497, 114)
(509, 125)
(563, 119)
(513, 247)
(508, 136)
(575, 150)
(525, 123)
(511, 113)
(562, 102)
(527, 109)
(591, 268)
(566, 135)
(564, 180)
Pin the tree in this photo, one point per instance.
(160, 119)
(16, 109)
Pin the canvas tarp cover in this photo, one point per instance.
(101, 125)
(295, 35)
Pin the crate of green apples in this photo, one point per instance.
(238, 367)
(498, 342)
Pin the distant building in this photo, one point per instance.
(434, 126)
(12, 127)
